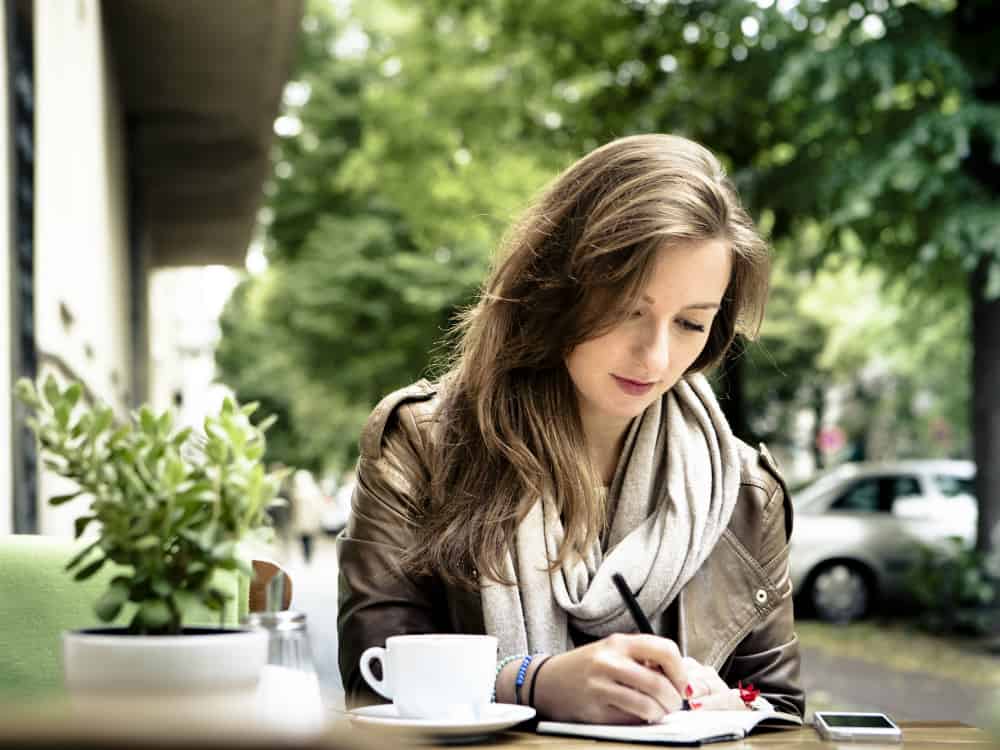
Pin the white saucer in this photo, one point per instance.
(496, 716)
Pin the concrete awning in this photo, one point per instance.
(201, 84)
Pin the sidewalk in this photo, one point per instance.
(844, 684)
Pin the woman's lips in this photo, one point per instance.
(633, 387)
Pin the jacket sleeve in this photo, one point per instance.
(768, 657)
(377, 599)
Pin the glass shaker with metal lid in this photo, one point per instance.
(288, 694)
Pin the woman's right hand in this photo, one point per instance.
(620, 679)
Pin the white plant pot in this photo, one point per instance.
(201, 674)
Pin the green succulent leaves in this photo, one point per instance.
(170, 506)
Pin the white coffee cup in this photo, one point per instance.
(435, 676)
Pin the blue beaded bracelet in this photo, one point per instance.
(521, 673)
(503, 663)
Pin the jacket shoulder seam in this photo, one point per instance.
(765, 475)
(756, 484)
(374, 430)
(769, 507)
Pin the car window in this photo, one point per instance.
(862, 496)
(904, 486)
(876, 494)
(950, 486)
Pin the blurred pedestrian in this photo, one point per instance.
(281, 510)
(307, 510)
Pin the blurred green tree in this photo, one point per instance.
(379, 223)
(887, 129)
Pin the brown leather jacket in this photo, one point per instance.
(735, 615)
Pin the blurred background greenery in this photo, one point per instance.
(863, 136)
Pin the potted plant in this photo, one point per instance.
(170, 509)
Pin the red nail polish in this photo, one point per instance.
(695, 704)
(688, 691)
(749, 693)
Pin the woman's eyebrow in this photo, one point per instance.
(703, 306)
(692, 306)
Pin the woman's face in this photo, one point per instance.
(617, 375)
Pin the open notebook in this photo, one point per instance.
(681, 727)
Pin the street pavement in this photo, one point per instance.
(831, 682)
(835, 683)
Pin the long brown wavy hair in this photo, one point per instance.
(508, 428)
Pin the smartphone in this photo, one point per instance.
(844, 725)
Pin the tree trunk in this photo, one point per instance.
(819, 409)
(978, 43)
(985, 404)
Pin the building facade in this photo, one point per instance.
(137, 139)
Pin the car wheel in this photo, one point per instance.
(840, 592)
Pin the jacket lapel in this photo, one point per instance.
(727, 597)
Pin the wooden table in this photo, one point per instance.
(34, 730)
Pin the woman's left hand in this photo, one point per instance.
(708, 689)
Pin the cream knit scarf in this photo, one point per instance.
(675, 489)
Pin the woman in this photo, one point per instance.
(574, 437)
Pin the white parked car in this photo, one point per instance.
(859, 528)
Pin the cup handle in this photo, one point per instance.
(379, 686)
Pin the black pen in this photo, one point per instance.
(641, 622)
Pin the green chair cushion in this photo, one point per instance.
(40, 600)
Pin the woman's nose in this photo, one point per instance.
(656, 351)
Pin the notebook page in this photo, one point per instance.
(681, 727)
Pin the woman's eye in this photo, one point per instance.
(635, 314)
(690, 325)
